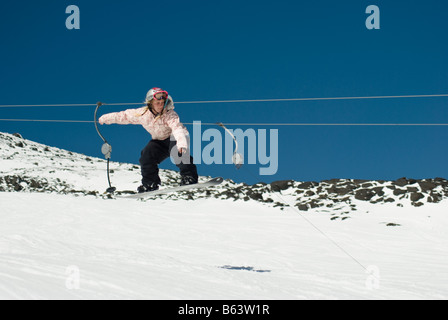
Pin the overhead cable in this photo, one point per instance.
(230, 101)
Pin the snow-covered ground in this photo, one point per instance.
(56, 245)
(214, 249)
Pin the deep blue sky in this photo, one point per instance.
(225, 50)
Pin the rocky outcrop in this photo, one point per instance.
(33, 167)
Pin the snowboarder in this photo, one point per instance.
(162, 122)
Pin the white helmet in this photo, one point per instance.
(169, 105)
(152, 92)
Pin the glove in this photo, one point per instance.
(102, 120)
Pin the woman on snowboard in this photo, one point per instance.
(162, 122)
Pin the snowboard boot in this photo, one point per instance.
(187, 180)
(148, 187)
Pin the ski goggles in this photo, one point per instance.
(161, 95)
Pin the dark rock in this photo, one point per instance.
(332, 181)
(260, 184)
(367, 185)
(307, 185)
(441, 181)
(415, 196)
(379, 191)
(398, 192)
(400, 182)
(417, 204)
(281, 185)
(435, 197)
(393, 225)
(364, 194)
(341, 191)
(427, 186)
(256, 196)
(279, 204)
(314, 204)
(377, 200)
(17, 135)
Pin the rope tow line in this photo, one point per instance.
(249, 124)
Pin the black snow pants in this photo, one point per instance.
(157, 151)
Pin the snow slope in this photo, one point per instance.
(57, 241)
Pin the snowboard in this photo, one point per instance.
(209, 183)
